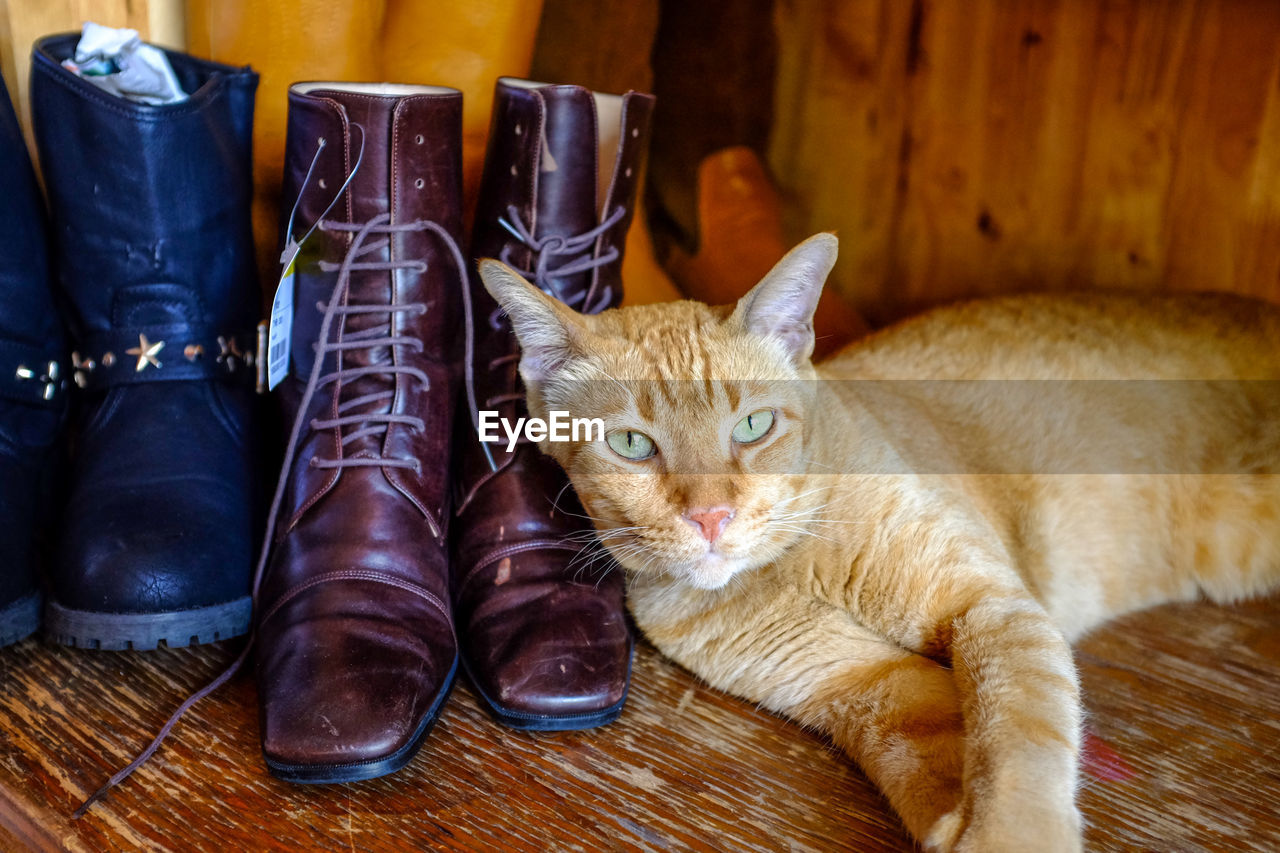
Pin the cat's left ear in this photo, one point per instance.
(548, 330)
(781, 306)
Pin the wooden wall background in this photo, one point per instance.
(963, 148)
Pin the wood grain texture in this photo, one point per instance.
(579, 44)
(962, 148)
(1188, 696)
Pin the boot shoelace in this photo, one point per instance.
(578, 249)
(367, 423)
(364, 412)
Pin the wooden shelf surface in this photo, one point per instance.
(1185, 698)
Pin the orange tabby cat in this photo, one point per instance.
(902, 563)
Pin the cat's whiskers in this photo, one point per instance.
(591, 557)
(803, 531)
(809, 460)
(804, 494)
(779, 507)
(555, 503)
(585, 516)
(602, 535)
(650, 559)
(810, 515)
(622, 552)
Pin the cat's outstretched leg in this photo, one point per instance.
(1022, 715)
(1022, 711)
(895, 713)
(899, 717)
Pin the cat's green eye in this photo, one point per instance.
(753, 427)
(630, 444)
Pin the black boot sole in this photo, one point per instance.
(86, 629)
(328, 774)
(20, 619)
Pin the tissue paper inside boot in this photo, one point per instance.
(119, 62)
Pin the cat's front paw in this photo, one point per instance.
(943, 835)
(1044, 834)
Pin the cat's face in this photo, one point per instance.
(697, 474)
(692, 476)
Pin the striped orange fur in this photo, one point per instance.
(931, 518)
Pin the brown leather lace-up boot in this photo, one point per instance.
(541, 619)
(356, 644)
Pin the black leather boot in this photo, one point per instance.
(150, 207)
(32, 381)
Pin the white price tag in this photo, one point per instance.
(281, 328)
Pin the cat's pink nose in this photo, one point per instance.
(711, 522)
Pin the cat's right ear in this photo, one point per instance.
(781, 306)
(548, 330)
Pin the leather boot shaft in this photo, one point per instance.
(562, 161)
(558, 193)
(391, 148)
(149, 201)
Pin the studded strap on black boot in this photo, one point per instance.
(541, 619)
(150, 207)
(32, 382)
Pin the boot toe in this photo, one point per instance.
(348, 690)
(157, 550)
(551, 655)
(160, 566)
(159, 527)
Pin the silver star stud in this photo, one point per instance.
(146, 352)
